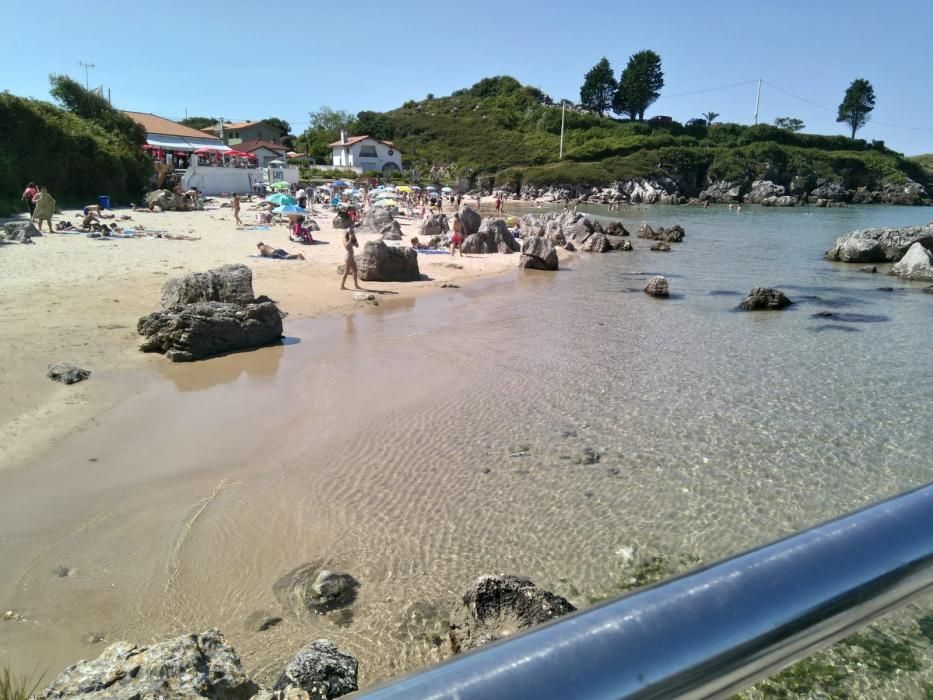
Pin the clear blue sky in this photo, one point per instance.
(248, 60)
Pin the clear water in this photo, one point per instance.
(420, 446)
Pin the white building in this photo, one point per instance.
(364, 153)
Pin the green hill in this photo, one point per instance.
(502, 132)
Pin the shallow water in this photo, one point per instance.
(420, 446)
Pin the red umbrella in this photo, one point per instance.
(251, 156)
(204, 151)
(236, 154)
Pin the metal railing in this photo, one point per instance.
(714, 631)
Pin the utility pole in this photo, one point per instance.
(87, 82)
(757, 100)
(563, 105)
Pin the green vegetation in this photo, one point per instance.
(84, 150)
(599, 88)
(13, 687)
(640, 85)
(857, 104)
(198, 122)
(790, 123)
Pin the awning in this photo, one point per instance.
(177, 143)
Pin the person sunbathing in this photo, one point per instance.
(417, 245)
(267, 251)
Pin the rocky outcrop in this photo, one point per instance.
(723, 192)
(762, 190)
(499, 238)
(619, 243)
(321, 670)
(20, 232)
(476, 244)
(379, 221)
(167, 201)
(538, 254)
(190, 666)
(828, 192)
(616, 228)
(917, 264)
(674, 234)
(657, 286)
(382, 263)
(496, 606)
(391, 232)
(471, 220)
(650, 191)
(231, 284)
(597, 243)
(67, 373)
(201, 330)
(764, 298)
(660, 247)
(342, 220)
(784, 201)
(434, 225)
(880, 244)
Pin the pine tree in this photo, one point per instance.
(599, 87)
(857, 104)
(640, 85)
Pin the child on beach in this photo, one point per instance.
(236, 209)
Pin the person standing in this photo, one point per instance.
(44, 208)
(456, 239)
(29, 194)
(236, 209)
(349, 265)
(498, 204)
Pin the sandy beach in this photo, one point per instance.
(70, 298)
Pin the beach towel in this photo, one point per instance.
(432, 251)
(255, 228)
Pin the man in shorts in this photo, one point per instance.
(456, 240)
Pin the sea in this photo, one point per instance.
(562, 426)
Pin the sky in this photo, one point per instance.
(246, 60)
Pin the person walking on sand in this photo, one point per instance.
(44, 208)
(29, 194)
(349, 265)
(456, 239)
(236, 209)
(498, 204)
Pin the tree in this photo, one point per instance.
(709, 117)
(857, 104)
(330, 119)
(93, 107)
(279, 124)
(374, 124)
(789, 123)
(198, 122)
(640, 85)
(599, 87)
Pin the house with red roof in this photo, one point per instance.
(265, 151)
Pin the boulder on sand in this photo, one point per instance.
(382, 263)
(764, 298)
(657, 287)
(196, 331)
(917, 264)
(67, 373)
(476, 244)
(499, 605)
(167, 201)
(471, 220)
(538, 254)
(231, 284)
(321, 670)
(20, 232)
(190, 666)
(434, 225)
(342, 220)
(499, 238)
(880, 244)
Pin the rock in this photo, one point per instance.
(497, 606)
(597, 243)
(313, 588)
(616, 228)
(674, 234)
(569, 246)
(554, 232)
(382, 263)
(661, 190)
(21, 232)
(391, 232)
(917, 264)
(723, 192)
(267, 623)
(476, 244)
(765, 298)
(190, 666)
(928, 290)
(342, 220)
(871, 269)
(167, 201)
(331, 585)
(647, 232)
(434, 225)
(196, 331)
(657, 287)
(290, 692)
(376, 219)
(363, 296)
(538, 254)
(661, 247)
(499, 238)
(828, 192)
(321, 670)
(879, 244)
(762, 190)
(67, 373)
(579, 231)
(588, 456)
(471, 220)
(619, 243)
(230, 284)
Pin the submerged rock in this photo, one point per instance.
(879, 244)
(499, 605)
(657, 287)
(190, 666)
(313, 588)
(660, 247)
(321, 670)
(67, 373)
(764, 298)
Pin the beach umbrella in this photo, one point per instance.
(383, 194)
(289, 209)
(280, 185)
(431, 187)
(386, 203)
(405, 188)
(415, 187)
(448, 190)
(280, 199)
(340, 183)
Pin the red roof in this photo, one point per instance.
(250, 146)
(159, 125)
(356, 139)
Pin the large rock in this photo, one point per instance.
(764, 298)
(471, 220)
(434, 225)
(554, 232)
(321, 670)
(579, 230)
(375, 219)
(880, 244)
(828, 192)
(476, 244)
(674, 234)
(762, 190)
(538, 254)
(167, 201)
(497, 606)
(499, 238)
(230, 284)
(657, 287)
(382, 263)
(391, 232)
(190, 666)
(723, 192)
(597, 243)
(616, 228)
(21, 232)
(917, 264)
(196, 331)
(67, 373)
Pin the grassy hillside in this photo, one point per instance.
(76, 158)
(501, 131)
(925, 161)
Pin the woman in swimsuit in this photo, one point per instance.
(349, 243)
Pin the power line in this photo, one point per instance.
(715, 89)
